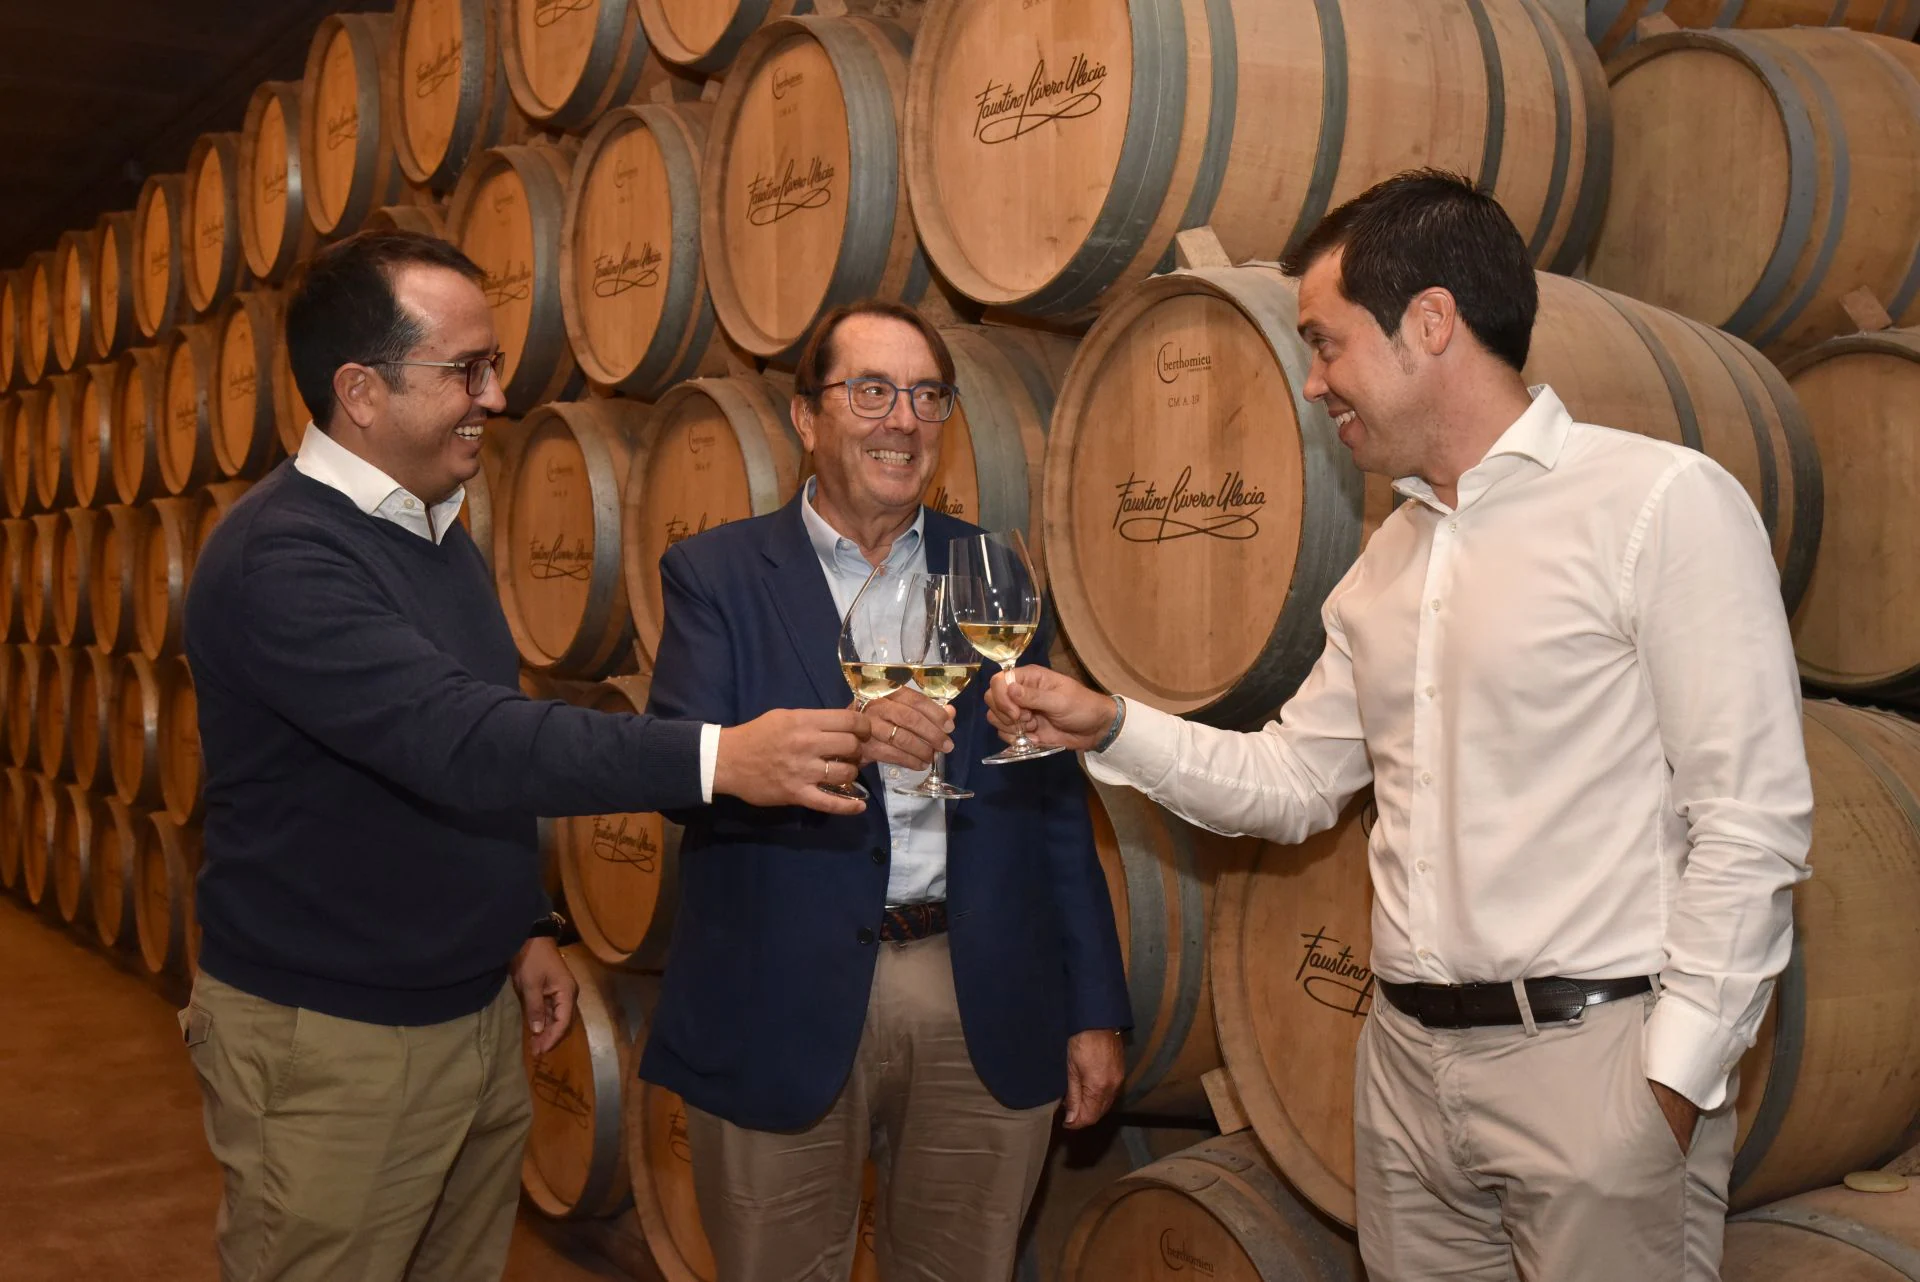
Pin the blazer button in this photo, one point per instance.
(864, 935)
(879, 856)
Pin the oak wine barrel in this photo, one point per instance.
(1038, 185)
(136, 409)
(93, 436)
(36, 839)
(505, 215)
(220, 498)
(802, 205)
(73, 560)
(559, 567)
(13, 826)
(246, 441)
(89, 724)
(185, 429)
(166, 857)
(59, 422)
(1807, 140)
(660, 1160)
(718, 450)
(181, 768)
(274, 231)
(118, 544)
(1857, 631)
(427, 220)
(111, 883)
(139, 731)
(73, 268)
(23, 702)
(484, 511)
(633, 292)
(16, 566)
(216, 265)
(621, 873)
(53, 711)
(10, 304)
(114, 271)
(73, 845)
(575, 1165)
(1080, 1165)
(447, 94)
(1289, 1017)
(160, 275)
(1611, 23)
(1218, 1210)
(1833, 1234)
(22, 424)
(347, 165)
(706, 35)
(165, 565)
(1155, 493)
(569, 62)
(290, 413)
(36, 602)
(38, 318)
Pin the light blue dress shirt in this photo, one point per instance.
(917, 872)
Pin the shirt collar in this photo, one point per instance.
(831, 546)
(333, 464)
(1539, 435)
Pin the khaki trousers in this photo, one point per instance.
(360, 1151)
(1486, 1155)
(956, 1168)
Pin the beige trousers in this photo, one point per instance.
(1486, 1155)
(956, 1168)
(360, 1151)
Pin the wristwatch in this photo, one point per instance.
(552, 926)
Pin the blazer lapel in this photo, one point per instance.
(799, 589)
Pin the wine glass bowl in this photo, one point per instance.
(940, 659)
(997, 602)
(869, 652)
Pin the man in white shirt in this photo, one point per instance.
(1564, 668)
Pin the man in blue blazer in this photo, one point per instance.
(928, 980)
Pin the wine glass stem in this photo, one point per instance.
(938, 778)
(1020, 741)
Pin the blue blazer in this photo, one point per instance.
(772, 959)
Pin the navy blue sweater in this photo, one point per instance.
(373, 770)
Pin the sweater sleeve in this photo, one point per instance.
(318, 642)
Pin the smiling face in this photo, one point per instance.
(872, 471)
(1373, 385)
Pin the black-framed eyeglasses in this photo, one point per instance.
(476, 369)
(931, 401)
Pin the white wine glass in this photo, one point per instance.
(869, 652)
(997, 605)
(940, 660)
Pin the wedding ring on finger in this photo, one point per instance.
(893, 733)
(826, 768)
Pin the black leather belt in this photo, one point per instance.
(1554, 1000)
(903, 922)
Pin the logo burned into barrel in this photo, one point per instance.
(1006, 113)
(1145, 513)
(1335, 979)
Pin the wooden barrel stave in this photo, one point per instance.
(37, 838)
(1611, 23)
(13, 826)
(159, 268)
(426, 220)
(184, 433)
(111, 881)
(137, 406)
(53, 712)
(73, 269)
(704, 36)
(22, 431)
(73, 559)
(165, 860)
(1830, 1234)
(210, 238)
(290, 413)
(93, 436)
(1080, 1165)
(10, 372)
(181, 769)
(568, 65)
(560, 578)
(447, 94)
(73, 856)
(39, 310)
(114, 324)
(89, 724)
(117, 564)
(138, 731)
(164, 566)
(16, 566)
(347, 163)
(246, 440)
(274, 231)
(52, 442)
(36, 602)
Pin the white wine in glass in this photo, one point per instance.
(870, 652)
(940, 659)
(997, 604)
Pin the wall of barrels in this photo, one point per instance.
(1722, 200)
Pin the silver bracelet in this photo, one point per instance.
(1113, 731)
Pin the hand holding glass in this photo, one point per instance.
(939, 658)
(997, 604)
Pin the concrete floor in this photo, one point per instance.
(104, 1171)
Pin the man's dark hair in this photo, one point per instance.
(343, 310)
(816, 358)
(1425, 229)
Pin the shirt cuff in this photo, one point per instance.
(1143, 753)
(709, 759)
(1690, 1052)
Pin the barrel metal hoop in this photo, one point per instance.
(578, 105)
(1003, 490)
(1146, 907)
(476, 50)
(1729, 15)
(683, 277)
(1897, 1255)
(1601, 15)
(1809, 486)
(1762, 438)
(748, 16)
(1193, 966)
(1909, 23)
(1156, 104)
(1597, 164)
(1783, 1068)
(1903, 294)
(1494, 143)
(1840, 170)
(1224, 50)
(1334, 76)
(361, 196)
(1562, 131)
(1676, 384)
(873, 184)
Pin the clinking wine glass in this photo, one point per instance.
(940, 659)
(997, 605)
(870, 651)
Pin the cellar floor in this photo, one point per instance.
(104, 1172)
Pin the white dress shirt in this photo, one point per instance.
(379, 495)
(1575, 697)
(917, 869)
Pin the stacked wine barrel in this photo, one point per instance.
(664, 195)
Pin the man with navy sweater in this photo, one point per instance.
(926, 982)
(371, 897)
